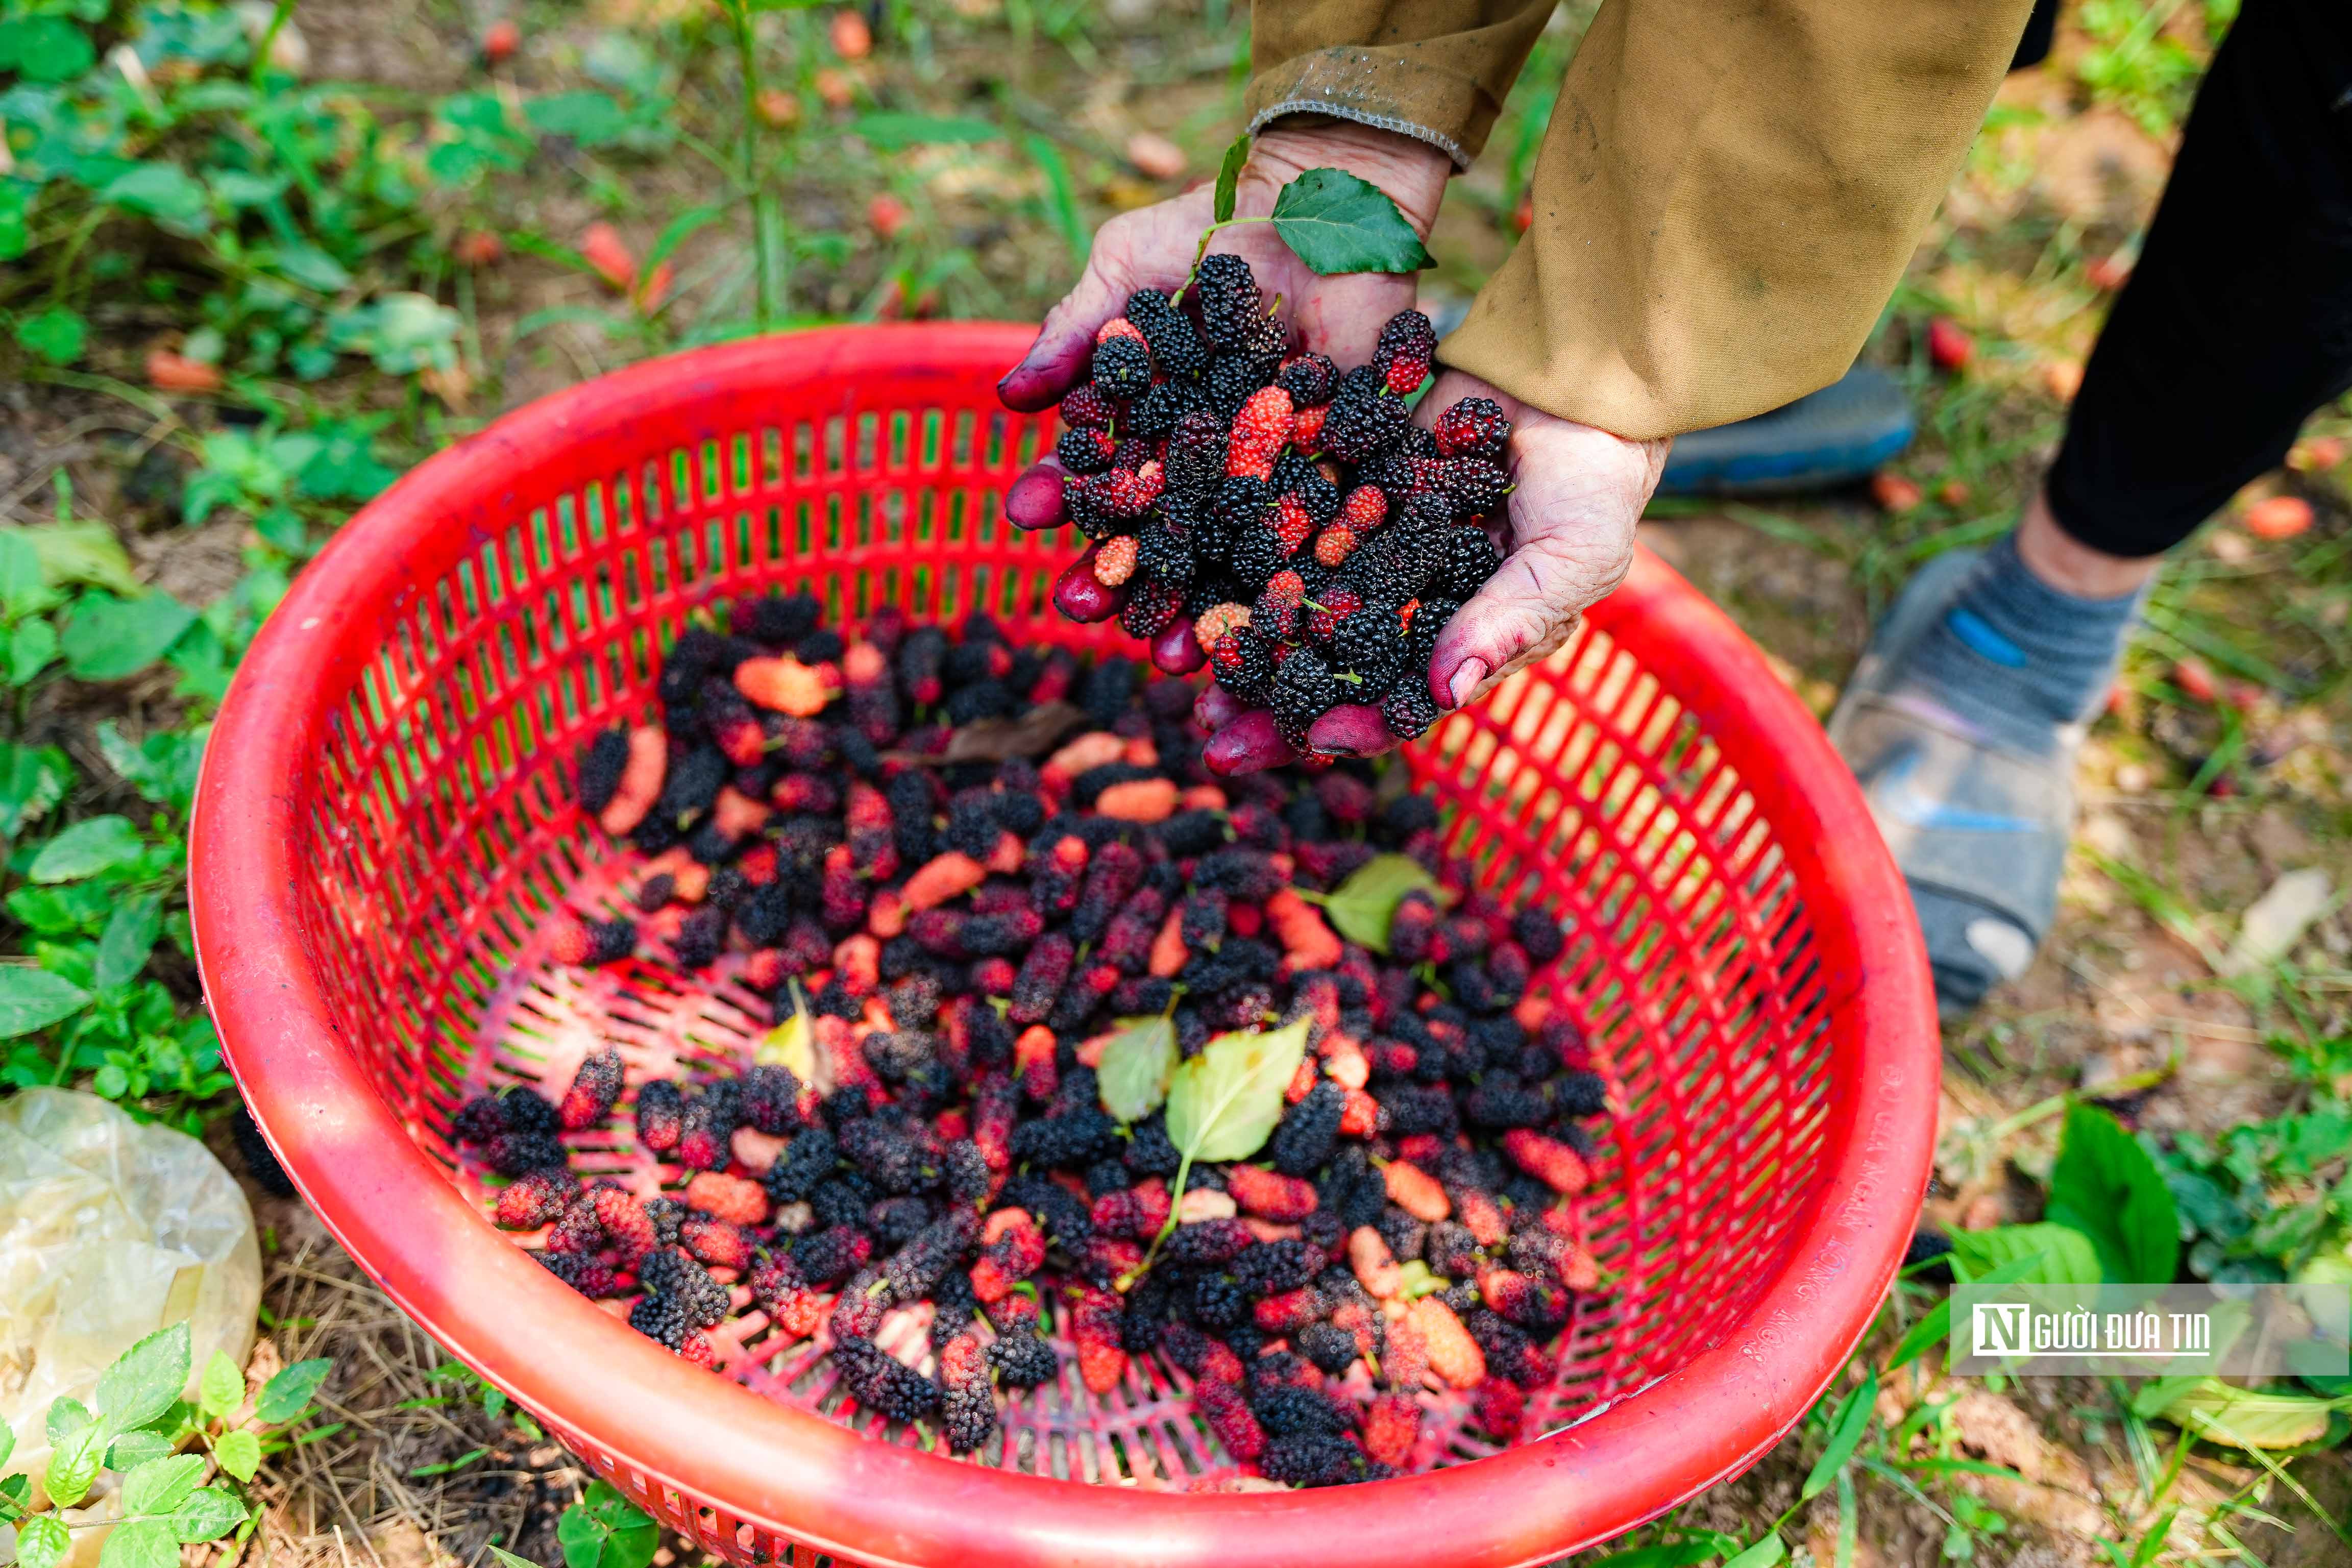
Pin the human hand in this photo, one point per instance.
(1567, 539)
(1153, 247)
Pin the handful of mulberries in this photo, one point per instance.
(1269, 514)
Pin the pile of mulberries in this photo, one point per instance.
(1265, 511)
(953, 943)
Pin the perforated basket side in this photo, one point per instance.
(382, 825)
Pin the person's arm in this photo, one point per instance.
(1724, 199)
(1436, 71)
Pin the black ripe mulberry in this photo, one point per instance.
(1082, 451)
(1409, 709)
(777, 620)
(1041, 977)
(772, 1099)
(1312, 1459)
(1361, 428)
(1309, 379)
(1469, 559)
(1583, 1094)
(1230, 305)
(807, 1161)
(479, 1120)
(518, 1153)
(1174, 344)
(1309, 1130)
(828, 1257)
(668, 1273)
(1231, 381)
(662, 1318)
(1195, 464)
(1022, 1360)
(1122, 368)
(1538, 931)
(1304, 691)
(1150, 607)
(1474, 485)
(1244, 661)
(602, 760)
(880, 1382)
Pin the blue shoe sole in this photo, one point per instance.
(1825, 439)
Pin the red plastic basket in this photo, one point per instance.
(383, 821)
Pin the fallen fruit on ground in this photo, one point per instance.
(2277, 517)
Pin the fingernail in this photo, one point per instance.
(1215, 708)
(1079, 596)
(1246, 745)
(1034, 500)
(1350, 730)
(1177, 651)
(1466, 676)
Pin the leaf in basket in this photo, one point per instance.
(1135, 1067)
(792, 1043)
(1223, 1104)
(1363, 907)
(1033, 734)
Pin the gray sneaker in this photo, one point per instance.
(1979, 826)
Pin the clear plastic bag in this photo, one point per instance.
(108, 1230)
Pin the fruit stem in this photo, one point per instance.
(1201, 251)
(1167, 1227)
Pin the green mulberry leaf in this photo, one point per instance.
(1363, 907)
(1337, 223)
(1225, 1102)
(1136, 1065)
(1229, 176)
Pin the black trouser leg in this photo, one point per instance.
(2237, 322)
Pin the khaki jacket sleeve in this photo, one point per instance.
(1725, 197)
(1434, 69)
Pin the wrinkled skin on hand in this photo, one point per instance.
(1567, 539)
(1152, 247)
(1567, 532)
